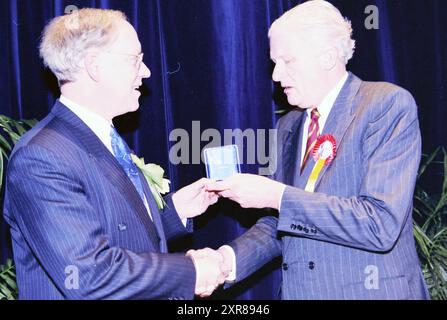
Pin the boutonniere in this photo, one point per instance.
(154, 177)
(324, 152)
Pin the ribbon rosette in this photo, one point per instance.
(323, 153)
(154, 177)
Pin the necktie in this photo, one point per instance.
(122, 154)
(312, 135)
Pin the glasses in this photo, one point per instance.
(138, 58)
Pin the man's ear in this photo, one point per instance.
(91, 64)
(328, 58)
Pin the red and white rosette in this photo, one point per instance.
(323, 153)
(325, 148)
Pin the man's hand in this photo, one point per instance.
(194, 199)
(210, 272)
(250, 191)
(228, 265)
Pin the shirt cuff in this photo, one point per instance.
(232, 276)
(280, 198)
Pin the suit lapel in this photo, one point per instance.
(110, 167)
(117, 176)
(155, 212)
(290, 153)
(338, 122)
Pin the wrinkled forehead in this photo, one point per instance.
(126, 39)
(284, 41)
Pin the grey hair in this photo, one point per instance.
(321, 23)
(68, 38)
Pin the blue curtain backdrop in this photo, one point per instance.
(210, 63)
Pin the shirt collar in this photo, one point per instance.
(99, 125)
(326, 105)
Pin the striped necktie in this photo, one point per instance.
(312, 135)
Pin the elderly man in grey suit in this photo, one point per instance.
(346, 169)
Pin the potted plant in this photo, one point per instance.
(13, 130)
(430, 227)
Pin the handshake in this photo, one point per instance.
(212, 268)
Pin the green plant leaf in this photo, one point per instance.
(6, 278)
(4, 145)
(426, 163)
(20, 128)
(425, 204)
(431, 237)
(4, 122)
(30, 123)
(14, 137)
(6, 292)
(1, 171)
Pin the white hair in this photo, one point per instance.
(322, 24)
(67, 39)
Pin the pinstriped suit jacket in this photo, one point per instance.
(73, 211)
(352, 238)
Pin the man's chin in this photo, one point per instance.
(293, 101)
(298, 103)
(133, 106)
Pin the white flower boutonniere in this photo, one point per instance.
(154, 177)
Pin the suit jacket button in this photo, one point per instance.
(122, 227)
(311, 265)
(300, 228)
(306, 230)
(285, 266)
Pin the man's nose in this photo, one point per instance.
(144, 71)
(276, 73)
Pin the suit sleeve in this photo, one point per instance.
(256, 247)
(261, 243)
(64, 231)
(374, 219)
(172, 224)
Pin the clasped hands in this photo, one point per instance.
(250, 191)
(212, 269)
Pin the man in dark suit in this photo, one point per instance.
(84, 221)
(347, 161)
